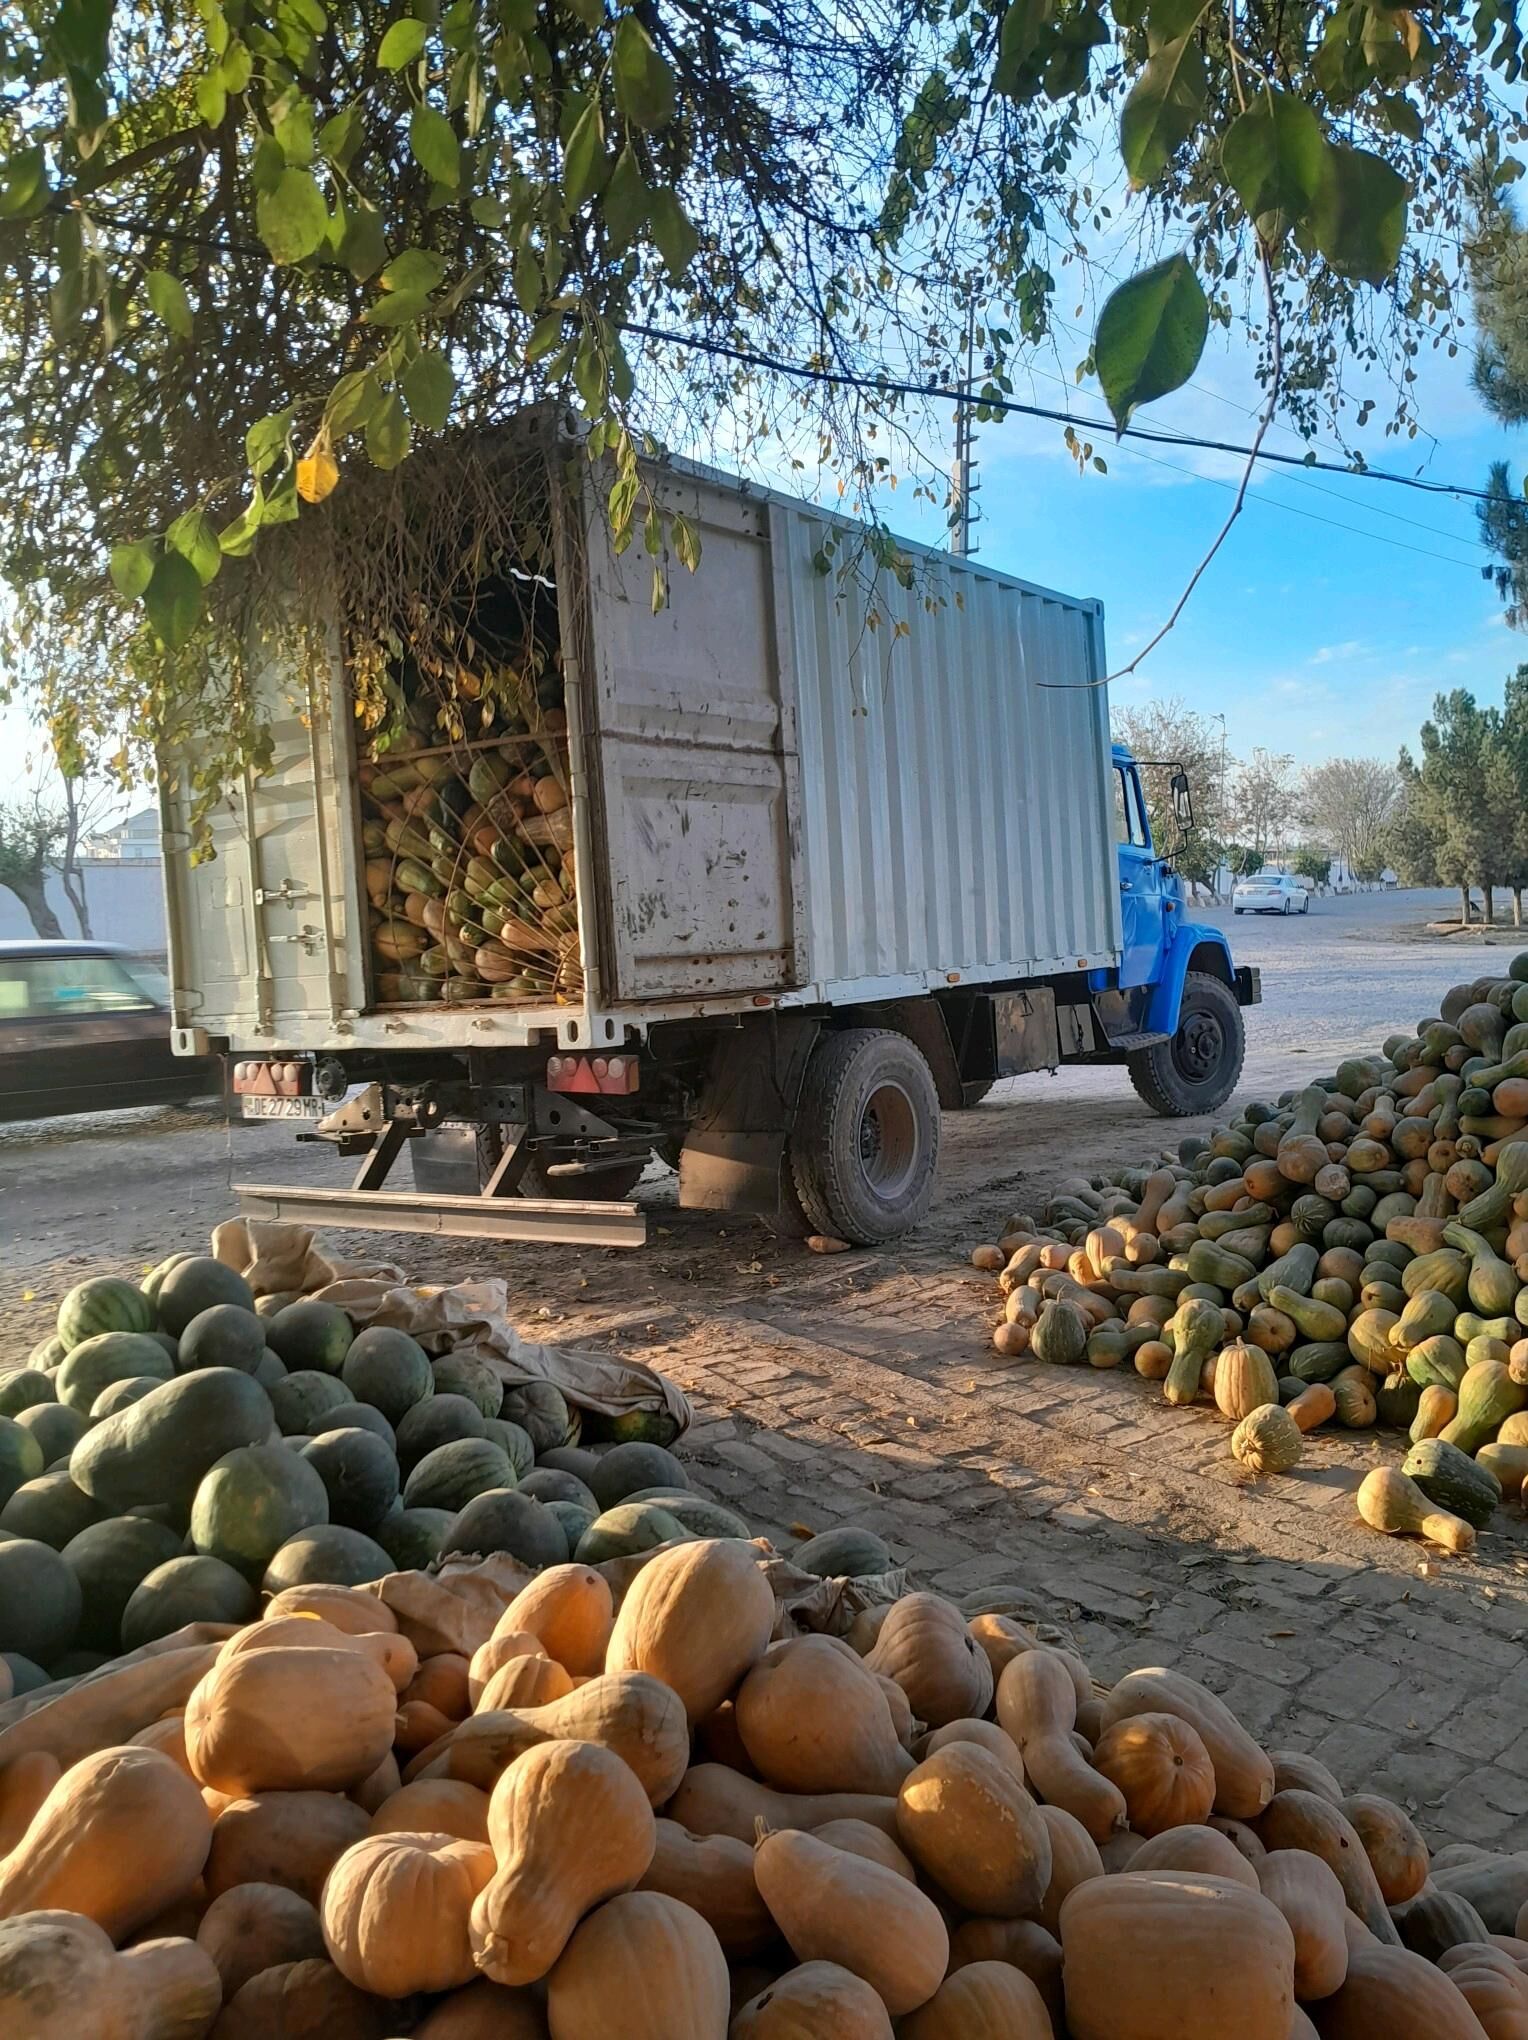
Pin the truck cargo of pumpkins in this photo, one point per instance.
(1355, 1255)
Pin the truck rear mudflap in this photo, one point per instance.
(1249, 985)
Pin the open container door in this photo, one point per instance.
(691, 740)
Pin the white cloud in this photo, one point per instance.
(1353, 648)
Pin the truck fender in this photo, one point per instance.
(1194, 946)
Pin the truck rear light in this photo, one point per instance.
(614, 1076)
(271, 1079)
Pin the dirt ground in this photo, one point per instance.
(863, 1388)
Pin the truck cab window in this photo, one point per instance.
(1129, 822)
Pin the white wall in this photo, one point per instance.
(126, 901)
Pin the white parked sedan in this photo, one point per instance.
(1270, 892)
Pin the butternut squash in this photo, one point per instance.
(1193, 1851)
(630, 1713)
(1243, 1774)
(1397, 1853)
(385, 1647)
(925, 1645)
(570, 1826)
(24, 1784)
(287, 1720)
(835, 1907)
(524, 1682)
(1074, 1859)
(1304, 1820)
(434, 1806)
(713, 1875)
(255, 1926)
(873, 1843)
(347, 1608)
(1026, 1945)
(982, 2001)
(813, 1719)
(292, 1839)
(1162, 1768)
(395, 1911)
(969, 1824)
(1401, 1996)
(698, 1618)
(817, 1999)
(712, 1800)
(119, 1837)
(1148, 1956)
(378, 1785)
(502, 1648)
(60, 1978)
(1307, 1893)
(1001, 1638)
(484, 2011)
(1036, 1706)
(1297, 1769)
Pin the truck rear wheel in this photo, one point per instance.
(866, 1140)
(1197, 1070)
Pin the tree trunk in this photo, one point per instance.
(1517, 906)
(1464, 906)
(74, 888)
(1487, 894)
(42, 917)
(69, 871)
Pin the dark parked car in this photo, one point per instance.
(85, 1027)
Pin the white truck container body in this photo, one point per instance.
(773, 799)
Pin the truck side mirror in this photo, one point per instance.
(1183, 802)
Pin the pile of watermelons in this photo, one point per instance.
(173, 1452)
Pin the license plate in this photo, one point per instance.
(283, 1108)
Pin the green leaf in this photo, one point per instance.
(362, 245)
(267, 164)
(1273, 155)
(488, 211)
(267, 440)
(626, 201)
(432, 139)
(293, 128)
(292, 217)
(355, 398)
(428, 387)
(193, 537)
(167, 294)
(398, 308)
(1401, 117)
(173, 599)
(584, 157)
(23, 185)
(402, 44)
(1024, 25)
(132, 567)
(1359, 219)
(338, 137)
(236, 69)
(1150, 336)
(673, 236)
(1163, 110)
(1169, 20)
(416, 270)
(686, 541)
(527, 281)
(387, 432)
(238, 538)
(644, 84)
(545, 335)
(212, 99)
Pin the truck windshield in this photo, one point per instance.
(1129, 822)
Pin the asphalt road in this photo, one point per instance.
(122, 1189)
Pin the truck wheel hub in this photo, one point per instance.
(1198, 1046)
(888, 1139)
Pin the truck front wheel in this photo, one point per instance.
(1197, 1070)
(865, 1144)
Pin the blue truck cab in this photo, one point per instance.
(1176, 983)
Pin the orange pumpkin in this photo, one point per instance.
(983, 2001)
(1074, 1859)
(395, 1911)
(1307, 1893)
(817, 2000)
(1392, 1993)
(713, 1875)
(1024, 1944)
(926, 1647)
(60, 1978)
(1243, 1773)
(835, 1907)
(1397, 1853)
(967, 1821)
(523, 1682)
(813, 1719)
(712, 1800)
(1162, 1768)
(1195, 1851)
(292, 1839)
(484, 2011)
(287, 1720)
(569, 1608)
(697, 1617)
(255, 1926)
(25, 1783)
(644, 1966)
(434, 1806)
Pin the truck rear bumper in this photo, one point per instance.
(1249, 985)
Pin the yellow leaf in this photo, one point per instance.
(317, 477)
(1411, 32)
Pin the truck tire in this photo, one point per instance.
(865, 1144)
(1197, 1070)
(612, 1185)
(971, 1095)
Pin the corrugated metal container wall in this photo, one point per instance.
(955, 810)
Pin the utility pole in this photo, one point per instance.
(963, 515)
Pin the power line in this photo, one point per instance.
(940, 393)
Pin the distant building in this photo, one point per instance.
(137, 837)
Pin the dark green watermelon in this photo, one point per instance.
(389, 1370)
(547, 1484)
(153, 1282)
(540, 1409)
(845, 1553)
(360, 1474)
(358, 1416)
(23, 1388)
(110, 1560)
(158, 1450)
(451, 1475)
(502, 1519)
(103, 1304)
(304, 1397)
(513, 1442)
(333, 1556)
(21, 1452)
(197, 1284)
(413, 1537)
(95, 1363)
(26, 1676)
(223, 1336)
(632, 1427)
(56, 1427)
(574, 1518)
(120, 1394)
(465, 1374)
(50, 1509)
(311, 1334)
(628, 1468)
(39, 1600)
(438, 1421)
(190, 1589)
(252, 1501)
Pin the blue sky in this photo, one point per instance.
(1315, 639)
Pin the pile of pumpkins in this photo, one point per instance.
(654, 1812)
(178, 1447)
(1355, 1254)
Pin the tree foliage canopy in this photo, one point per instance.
(251, 246)
(1465, 816)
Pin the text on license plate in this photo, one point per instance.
(282, 1108)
